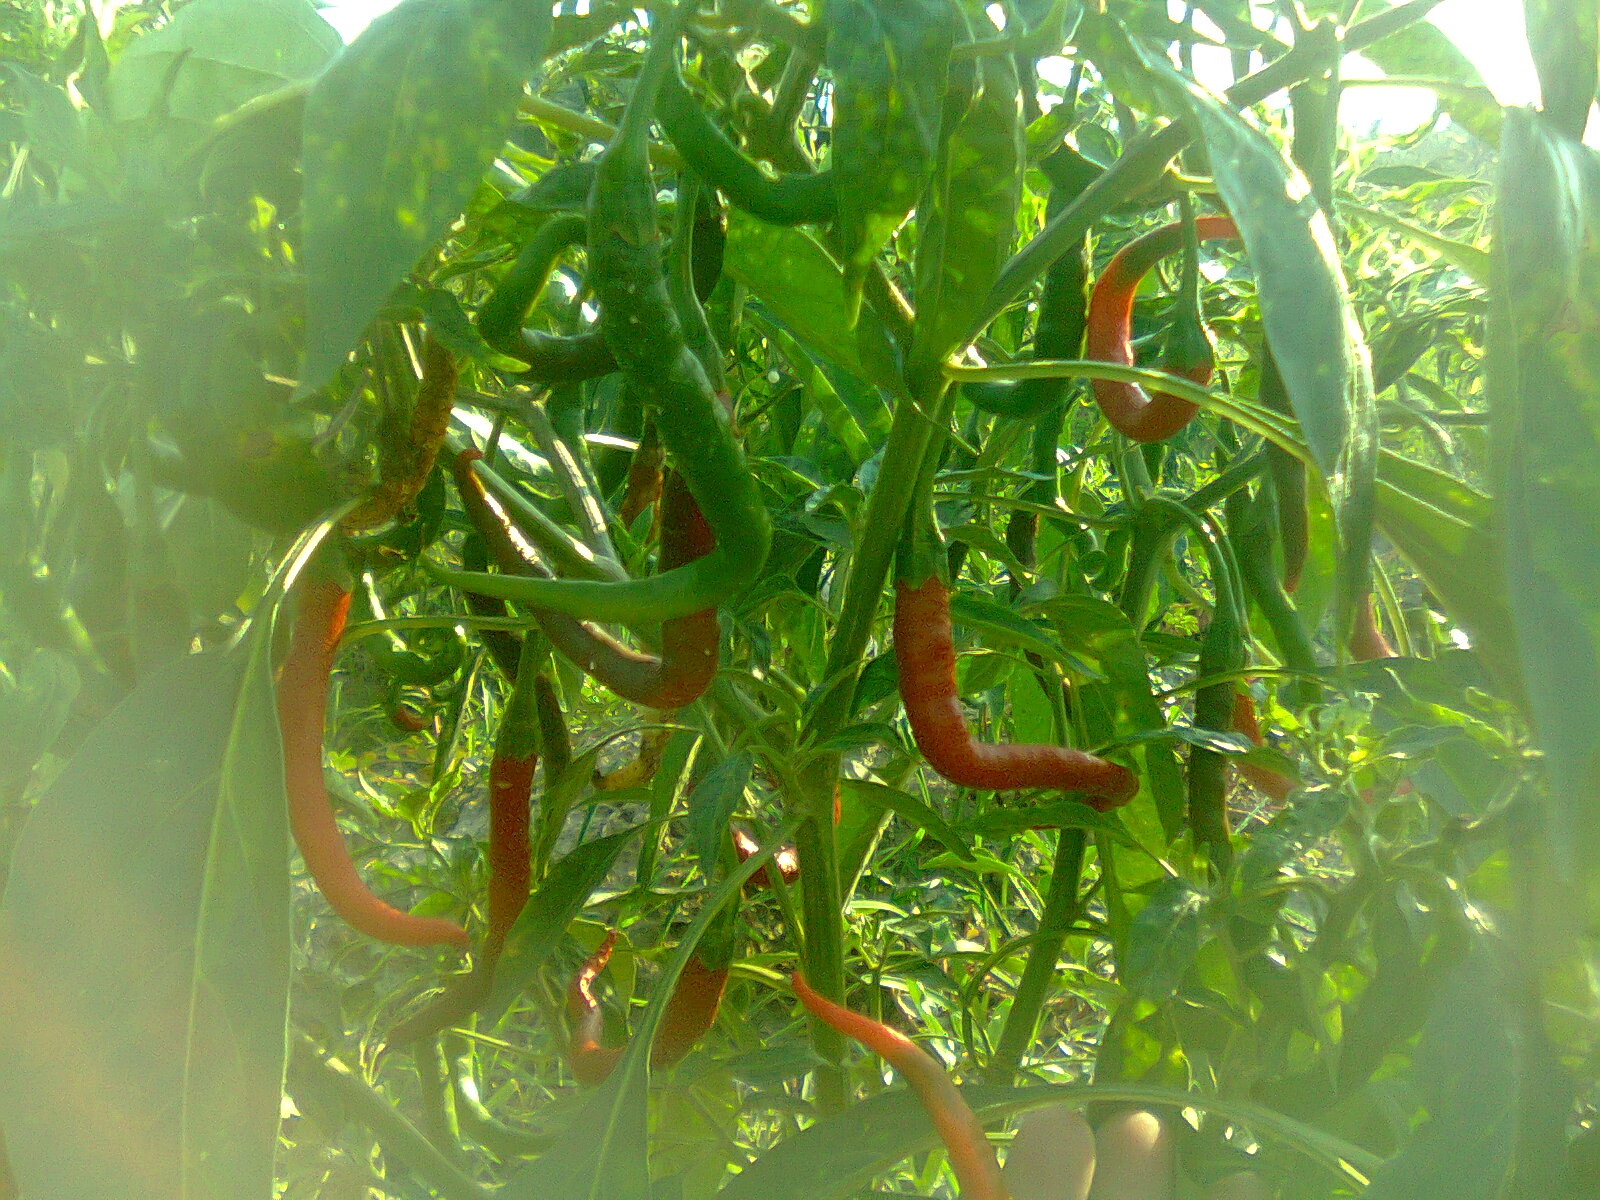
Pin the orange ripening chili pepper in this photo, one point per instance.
(643, 487)
(1366, 639)
(972, 1158)
(925, 654)
(511, 771)
(302, 710)
(1263, 779)
(690, 1012)
(1142, 416)
(403, 468)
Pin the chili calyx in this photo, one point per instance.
(1142, 416)
(924, 652)
(971, 1157)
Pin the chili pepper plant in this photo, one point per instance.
(779, 598)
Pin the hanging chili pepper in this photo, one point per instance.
(1142, 416)
(643, 487)
(971, 1157)
(1366, 638)
(302, 710)
(638, 770)
(688, 659)
(503, 646)
(555, 742)
(639, 323)
(511, 771)
(1270, 783)
(405, 463)
(925, 654)
(500, 319)
(690, 1013)
(794, 199)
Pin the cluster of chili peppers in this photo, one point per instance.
(714, 537)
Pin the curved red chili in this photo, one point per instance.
(971, 1157)
(1142, 416)
(511, 772)
(302, 710)
(925, 654)
(404, 466)
(691, 1011)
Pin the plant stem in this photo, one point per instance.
(1061, 909)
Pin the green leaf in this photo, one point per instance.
(968, 220)
(909, 809)
(1544, 357)
(144, 948)
(1306, 309)
(804, 288)
(1467, 1065)
(1164, 939)
(1564, 36)
(712, 804)
(214, 55)
(544, 920)
(1444, 529)
(888, 64)
(398, 133)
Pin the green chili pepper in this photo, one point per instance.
(1063, 303)
(638, 321)
(500, 319)
(793, 199)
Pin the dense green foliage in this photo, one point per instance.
(754, 314)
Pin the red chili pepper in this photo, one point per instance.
(302, 710)
(977, 1170)
(691, 1011)
(1366, 639)
(788, 862)
(925, 654)
(643, 487)
(511, 772)
(1264, 779)
(1142, 416)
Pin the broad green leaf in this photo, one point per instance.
(888, 64)
(712, 804)
(52, 126)
(909, 809)
(544, 920)
(216, 54)
(144, 948)
(1467, 1067)
(1564, 36)
(1544, 361)
(967, 223)
(1444, 529)
(1306, 309)
(399, 130)
(1164, 939)
(804, 288)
